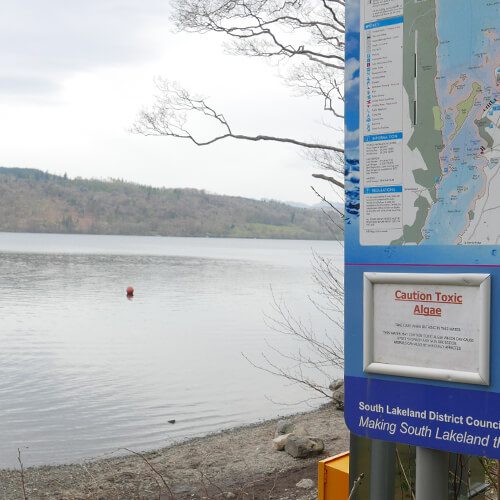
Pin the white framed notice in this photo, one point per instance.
(431, 326)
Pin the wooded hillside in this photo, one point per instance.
(35, 201)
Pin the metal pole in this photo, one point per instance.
(354, 468)
(432, 474)
(359, 467)
(383, 470)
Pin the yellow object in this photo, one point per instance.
(333, 478)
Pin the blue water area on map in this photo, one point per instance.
(461, 163)
(456, 194)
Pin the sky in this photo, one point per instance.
(74, 75)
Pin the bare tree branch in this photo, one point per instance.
(175, 109)
(154, 470)
(318, 355)
(329, 179)
(305, 38)
(23, 481)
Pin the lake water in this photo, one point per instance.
(84, 372)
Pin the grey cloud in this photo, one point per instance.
(45, 41)
(27, 85)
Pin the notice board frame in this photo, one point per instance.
(480, 281)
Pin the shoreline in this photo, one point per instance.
(218, 465)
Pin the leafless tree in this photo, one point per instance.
(319, 356)
(306, 41)
(305, 38)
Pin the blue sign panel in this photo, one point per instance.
(422, 229)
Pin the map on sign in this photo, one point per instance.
(430, 111)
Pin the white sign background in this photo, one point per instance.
(431, 326)
(405, 338)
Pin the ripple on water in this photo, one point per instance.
(85, 372)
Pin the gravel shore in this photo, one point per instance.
(238, 463)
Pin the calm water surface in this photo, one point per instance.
(84, 372)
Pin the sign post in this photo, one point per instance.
(432, 474)
(422, 279)
(382, 470)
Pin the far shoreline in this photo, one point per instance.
(198, 237)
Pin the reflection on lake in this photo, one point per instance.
(84, 371)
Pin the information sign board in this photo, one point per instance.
(422, 280)
(430, 326)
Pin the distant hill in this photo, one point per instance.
(36, 201)
(322, 205)
(335, 206)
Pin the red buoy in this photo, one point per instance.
(130, 291)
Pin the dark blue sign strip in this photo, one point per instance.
(383, 189)
(384, 137)
(383, 23)
(455, 420)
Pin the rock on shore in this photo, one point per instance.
(296, 440)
